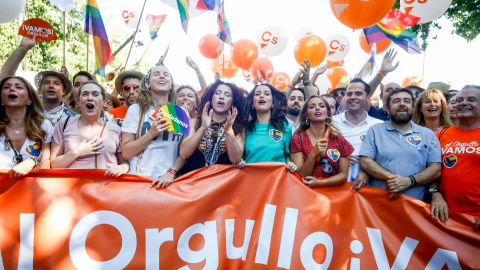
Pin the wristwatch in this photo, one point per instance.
(307, 82)
(433, 190)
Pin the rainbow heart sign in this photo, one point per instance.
(176, 116)
(333, 154)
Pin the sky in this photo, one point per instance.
(448, 58)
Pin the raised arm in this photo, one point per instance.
(235, 143)
(318, 71)
(310, 90)
(201, 79)
(189, 144)
(13, 61)
(387, 67)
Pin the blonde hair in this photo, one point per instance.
(431, 94)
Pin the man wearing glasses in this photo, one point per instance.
(127, 84)
(339, 92)
(382, 113)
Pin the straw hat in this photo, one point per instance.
(67, 84)
(127, 73)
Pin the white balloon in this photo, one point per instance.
(272, 41)
(323, 83)
(10, 10)
(337, 47)
(303, 32)
(427, 10)
(247, 75)
(130, 14)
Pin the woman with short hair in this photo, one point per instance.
(85, 141)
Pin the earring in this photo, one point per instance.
(307, 121)
(328, 122)
(28, 103)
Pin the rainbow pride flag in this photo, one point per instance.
(176, 116)
(94, 26)
(154, 23)
(224, 31)
(212, 5)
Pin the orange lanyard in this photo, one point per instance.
(325, 136)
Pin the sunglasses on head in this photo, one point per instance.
(129, 87)
(338, 93)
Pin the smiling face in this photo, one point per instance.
(222, 99)
(52, 89)
(160, 80)
(14, 93)
(356, 98)
(187, 96)
(431, 108)
(262, 99)
(77, 83)
(91, 100)
(131, 94)
(468, 104)
(401, 108)
(317, 110)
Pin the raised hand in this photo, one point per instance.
(320, 70)
(206, 116)
(191, 63)
(387, 63)
(232, 114)
(305, 69)
(28, 43)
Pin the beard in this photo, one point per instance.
(293, 111)
(401, 119)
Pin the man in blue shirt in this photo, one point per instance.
(399, 155)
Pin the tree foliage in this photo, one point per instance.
(49, 54)
(464, 15)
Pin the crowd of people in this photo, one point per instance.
(422, 143)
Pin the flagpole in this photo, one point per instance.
(138, 63)
(64, 36)
(223, 60)
(133, 41)
(88, 41)
(423, 68)
(218, 49)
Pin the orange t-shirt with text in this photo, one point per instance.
(460, 181)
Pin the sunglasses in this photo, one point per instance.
(417, 94)
(327, 168)
(17, 159)
(338, 93)
(129, 87)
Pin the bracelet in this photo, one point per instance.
(389, 175)
(307, 82)
(381, 74)
(172, 171)
(35, 161)
(291, 86)
(413, 180)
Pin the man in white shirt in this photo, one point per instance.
(354, 124)
(294, 106)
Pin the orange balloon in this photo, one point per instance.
(262, 69)
(337, 75)
(331, 64)
(358, 14)
(311, 48)
(280, 80)
(381, 45)
(244, 51)
(226, 67)
(411, 80)
(208, 46)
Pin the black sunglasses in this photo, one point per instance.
(337, 93)
(327, 168)
(17, 159)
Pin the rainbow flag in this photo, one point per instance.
(94, 26)
(211, 5)
(224, 31)
(393, 27)
(368, 67)
(154, 23)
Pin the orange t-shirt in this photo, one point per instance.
(118, 114)
(460, 181)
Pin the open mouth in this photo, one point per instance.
(12, 96)
(90, 106)
(462, 109)
(221, 103)
(261, 102)
(432, 110)
(162, 82)
(318, 114)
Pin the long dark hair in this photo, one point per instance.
(304, 124)
(34, 116)
(278, 117)
(237, 101)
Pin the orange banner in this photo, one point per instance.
(220, 217)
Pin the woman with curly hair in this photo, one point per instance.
(24, 131)
(216, 133)
(151, 150)
(317, 147)
(431, 111)
(268, 131)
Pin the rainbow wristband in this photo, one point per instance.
(35, 161)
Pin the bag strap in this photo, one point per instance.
(101, 133)
(441, 133)
(139, 156)
(65, 125)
